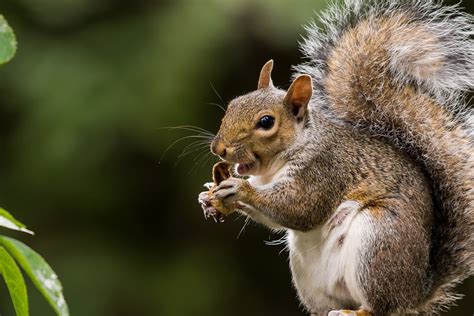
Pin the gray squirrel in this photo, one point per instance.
(366, 161)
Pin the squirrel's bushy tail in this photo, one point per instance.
(401, 69)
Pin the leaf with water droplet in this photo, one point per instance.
(39, 272)
(15, 282)
(7, 41)
(8, 221)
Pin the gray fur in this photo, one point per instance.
(388, 130)
(439, 139)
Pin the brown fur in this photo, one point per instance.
(430, 134)
(377, 132)
(337, 165)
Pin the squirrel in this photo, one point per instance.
(366, 161)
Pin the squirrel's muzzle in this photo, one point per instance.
(218, 147)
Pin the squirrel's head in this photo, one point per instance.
(261, 124)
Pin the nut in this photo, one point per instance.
(220, 172)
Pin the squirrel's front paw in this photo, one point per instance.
(233, 190)
(208, 209)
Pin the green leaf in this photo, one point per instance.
(15, 282)
(7, 41)
(39, 272)
(8, 221)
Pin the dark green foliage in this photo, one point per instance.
(34, 265)
(7, 41)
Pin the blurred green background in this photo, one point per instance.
(82, 111)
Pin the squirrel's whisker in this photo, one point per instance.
(190, 151)
(179, 140)
(189, 128)
(215, 91)
(218, 105)
(246, 222)
(194, 146)
(199, 151)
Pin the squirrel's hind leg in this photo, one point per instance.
(394, 273)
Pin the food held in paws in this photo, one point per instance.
(220, 172)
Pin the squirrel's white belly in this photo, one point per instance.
(324, 261)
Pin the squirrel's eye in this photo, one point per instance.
(266, 122)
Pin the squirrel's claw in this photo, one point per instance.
(208, 185)
(228, 187)
(208, 209)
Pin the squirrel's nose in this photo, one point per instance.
(218, 148)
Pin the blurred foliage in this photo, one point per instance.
(13, 251)
(7, 41)
(82, 111)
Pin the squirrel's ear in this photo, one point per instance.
(265, 79)
(299, 94)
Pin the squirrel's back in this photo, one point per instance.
(400, 70)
